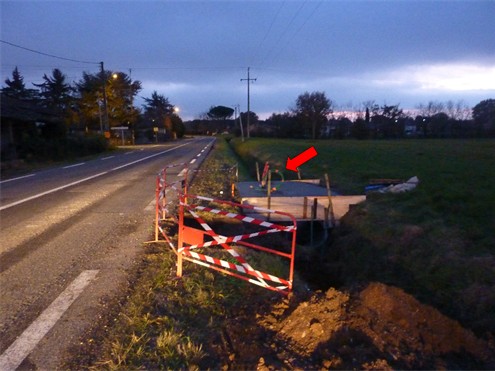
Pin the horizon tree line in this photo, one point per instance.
(80, 107)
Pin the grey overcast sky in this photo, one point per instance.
(196, 52)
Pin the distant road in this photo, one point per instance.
(70, 236)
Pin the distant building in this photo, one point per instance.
(410, 127)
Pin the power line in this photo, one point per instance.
(271, 26)
(296, 32)
(46, 54)
(286, 29)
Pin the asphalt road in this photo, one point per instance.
(69, 238)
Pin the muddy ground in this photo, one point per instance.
(373, 327)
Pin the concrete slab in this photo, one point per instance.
(283, 189)
(296, 198)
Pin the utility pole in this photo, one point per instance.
(248, 101)
(105, 110)
(238, 108)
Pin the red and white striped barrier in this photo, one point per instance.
(161, 204)
(242, 269)
(192, 245)
(164, 206)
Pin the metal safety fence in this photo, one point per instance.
(199, 241)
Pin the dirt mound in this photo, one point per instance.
(378, 327)
(412, 334)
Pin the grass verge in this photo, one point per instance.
(170, 323)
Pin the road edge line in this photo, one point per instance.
(27, 341)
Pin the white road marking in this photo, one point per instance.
(85, 179)
(106, 158)
(151, 206)
(148, 157)
(128, 153)
(68, 167)
(192, 161)
(182, 172)
(51, 191)
(19, 177)
(27, 341)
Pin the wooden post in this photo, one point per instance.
(313, 217)
(305, 208)
(330, 203)
(269, 192)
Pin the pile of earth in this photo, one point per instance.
(375, 327)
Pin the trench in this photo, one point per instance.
(317, 264)
(314, 244)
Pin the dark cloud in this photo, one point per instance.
(196, 52)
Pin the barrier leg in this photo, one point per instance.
(180, 241)
(157, 206)
(179, 264)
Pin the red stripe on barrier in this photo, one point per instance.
(226, 264)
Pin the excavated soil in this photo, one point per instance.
(375, 327)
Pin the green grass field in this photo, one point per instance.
(457, 176)
(437, 242)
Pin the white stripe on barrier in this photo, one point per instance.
(223, 240)
(242, 269)
(246, 219)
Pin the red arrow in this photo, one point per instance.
(294, 163)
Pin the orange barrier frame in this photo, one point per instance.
(191, 240)
(161, 204)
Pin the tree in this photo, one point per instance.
(253, 121)
(177, 126)
(388, 122)
(156, 109)
(484, 116)
(284, 125)
(359, 128)
(312, 109)
(55, 91)
(220, 112)
(90, 102)
(55, 95)
(159, 112)
(17, 89)
(439, 125)
(431, 108)
(120, 92)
